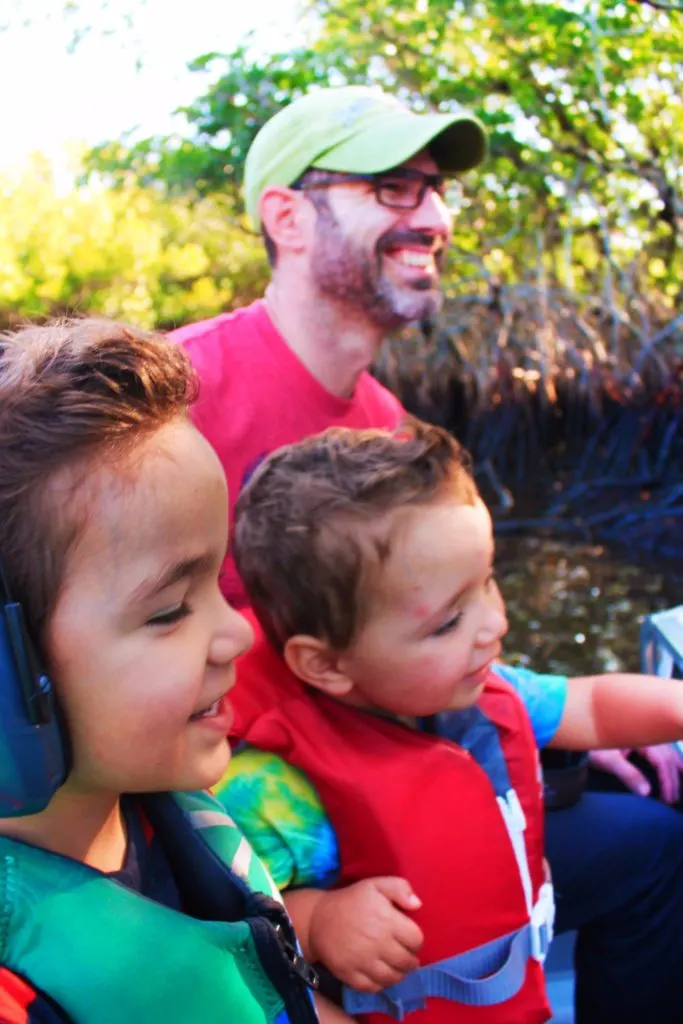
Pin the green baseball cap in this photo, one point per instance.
(356, 129)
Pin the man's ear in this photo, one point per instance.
(284, 216)
(312, 661)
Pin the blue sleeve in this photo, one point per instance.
(544, 696)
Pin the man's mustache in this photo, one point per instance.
(395, 239)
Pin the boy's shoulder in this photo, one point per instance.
(279, 810)
(543, 695)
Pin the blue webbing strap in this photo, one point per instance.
(485, 976)
(475, 733)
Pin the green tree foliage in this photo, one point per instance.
(127, 253)
(582, 98)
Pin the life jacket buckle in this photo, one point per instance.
(542, 923)
(299, 965)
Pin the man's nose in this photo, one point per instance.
(433, 216)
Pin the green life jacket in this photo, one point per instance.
(107, 955)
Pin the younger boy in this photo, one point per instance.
(368, 559)
(122, 901)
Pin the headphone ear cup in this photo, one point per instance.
(33, 748)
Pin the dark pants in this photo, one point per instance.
(617, 864)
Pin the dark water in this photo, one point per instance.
(578, 608)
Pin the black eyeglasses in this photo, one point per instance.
(404, 188)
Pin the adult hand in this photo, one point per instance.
(664, 758)
(362, 935)
(668, 764)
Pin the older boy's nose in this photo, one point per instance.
(233, 637)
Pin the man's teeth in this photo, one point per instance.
(415, 259)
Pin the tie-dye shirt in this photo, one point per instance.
(279, 811)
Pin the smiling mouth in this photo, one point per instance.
(417, 260)
(480, 674)
(212, 711)
(414, 259)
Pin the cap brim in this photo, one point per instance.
(457, 142)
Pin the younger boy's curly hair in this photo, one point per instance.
(316, 522)
(72, 394)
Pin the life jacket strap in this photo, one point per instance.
(543, 922)
(485, 976)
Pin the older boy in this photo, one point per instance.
(368, 559)
(113, 513)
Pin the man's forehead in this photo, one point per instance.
(422, 161)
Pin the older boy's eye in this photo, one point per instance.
(169, 615)
(448, 626)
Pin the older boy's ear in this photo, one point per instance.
(312, 661)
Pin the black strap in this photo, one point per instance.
(5, 592)
(211, 892)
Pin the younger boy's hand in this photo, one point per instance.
(362, 935)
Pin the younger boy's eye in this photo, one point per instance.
(169, 615)
(448, 626)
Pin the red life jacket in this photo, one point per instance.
(418, 806)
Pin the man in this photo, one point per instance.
(353, 256)
(350, 190)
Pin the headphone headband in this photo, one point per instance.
(5, 592)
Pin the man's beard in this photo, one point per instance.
(347, 273)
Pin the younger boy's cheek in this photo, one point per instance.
(464, 697)
(423, 683)
(429, 668)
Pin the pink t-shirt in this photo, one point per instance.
(256, 395)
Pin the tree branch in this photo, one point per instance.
(660, 5)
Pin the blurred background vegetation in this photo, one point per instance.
(559, 355)
(583, 190)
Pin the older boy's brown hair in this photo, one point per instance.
(313, 525)
(72, 393)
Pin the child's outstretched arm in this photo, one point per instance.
(361, 933)
(620, 710)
